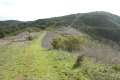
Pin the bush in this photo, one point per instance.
(29, 38)
(69, 43)
(2, 35)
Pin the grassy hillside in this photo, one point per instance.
(96, 24)
(33, 62)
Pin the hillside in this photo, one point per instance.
(33, 62)
(97, 24)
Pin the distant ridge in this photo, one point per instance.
(97, 24)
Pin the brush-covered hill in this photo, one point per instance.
(97, 24)
(27, 56)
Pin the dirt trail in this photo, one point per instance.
(48, 39)
(60, 31)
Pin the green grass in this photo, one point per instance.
(32, 62)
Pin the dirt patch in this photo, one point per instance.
(20, 77)
(48, 39)
(68, 31)
(21, 38)
(100, 52)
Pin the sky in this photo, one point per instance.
(28, 10)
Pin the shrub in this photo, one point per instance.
(69, 43)
(2, 35)
(29, 38)
(78, 61)
(116, 67)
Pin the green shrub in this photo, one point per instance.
(69, 43)
(2, 34)
(116, 67)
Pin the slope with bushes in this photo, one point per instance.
(99, 25)
(32, 62)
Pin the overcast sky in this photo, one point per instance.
(27, 10)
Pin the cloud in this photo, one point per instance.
(7, 2)
(36, 9)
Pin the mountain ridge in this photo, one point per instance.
(98, 24)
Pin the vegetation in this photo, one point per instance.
(32, 62)
(68, 43)
(96, 24)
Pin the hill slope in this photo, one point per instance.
(33, 62)
(97, 24)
